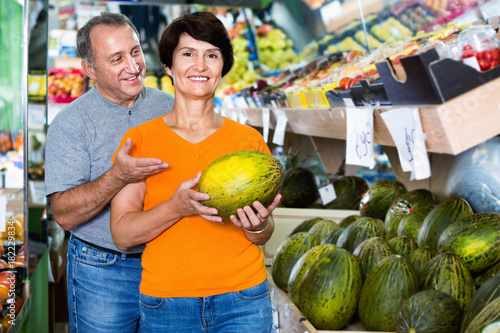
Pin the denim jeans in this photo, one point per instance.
(103, 290)
(245, 311)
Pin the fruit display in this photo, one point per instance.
(479, 43)
(64, 86)
(400, 279)
(237, 179)
(275, 49)
(415, 17)
(390, 30)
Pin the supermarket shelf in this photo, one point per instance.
(450, 128)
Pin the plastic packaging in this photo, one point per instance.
(480, 47)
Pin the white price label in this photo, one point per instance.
(242, 117)
(3, 210)
(359, 142)
(348, 102)
(279, 130)
(37, 192)
(405, 128)
(327, 194)
(266, 116)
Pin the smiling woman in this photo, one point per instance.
(194, 263)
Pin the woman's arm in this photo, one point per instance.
(131, 226)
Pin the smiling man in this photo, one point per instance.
(80, 179)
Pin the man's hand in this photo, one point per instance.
(130, 169)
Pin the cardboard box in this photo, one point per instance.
(286, 219)
(430, 80)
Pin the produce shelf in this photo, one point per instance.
(290, 319)
(450, 128)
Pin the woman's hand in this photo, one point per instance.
(187, 202)
(250, 220)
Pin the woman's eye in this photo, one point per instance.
(187, 54)
(213, 56)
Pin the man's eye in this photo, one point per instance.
(137, 52)
(117, 59)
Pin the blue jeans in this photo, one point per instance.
(103, 290)
(245, 311)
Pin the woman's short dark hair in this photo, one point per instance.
(203, 26)
(83, 42)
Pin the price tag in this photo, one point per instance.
(266, 116)
(348, 102)
(327, 194)
(472, 62)
(279, 130)
(359, 142)
(242, 117)
(3, 210)
(406, 131)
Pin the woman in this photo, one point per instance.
(199, 274)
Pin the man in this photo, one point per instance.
(80, 180)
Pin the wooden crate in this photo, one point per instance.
(286, 219)
(289, 319)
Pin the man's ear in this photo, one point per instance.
(88, 69)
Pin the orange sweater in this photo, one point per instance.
(194, 257)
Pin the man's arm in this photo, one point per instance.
(80, 203)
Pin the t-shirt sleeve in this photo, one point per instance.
(67, 158)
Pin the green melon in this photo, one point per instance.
(410, 224)
(429, 311)
(301, 267)
(448, 273)
(487, 293)
(420, 257)
(385, 289)
(379, 198)
(475, 238)
(239, 179)
(299, 189)
(371, 252)
(323, 228)
(404, 205)
(348, 191)
(330, 289)
(488, 320)
(439, 218)
(489, 273)
(287, 255)
(403, 245)
(344, 223)
(359, 231)
(333, 237)
(306, 225)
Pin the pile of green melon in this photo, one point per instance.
(406, 263)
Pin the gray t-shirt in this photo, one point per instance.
(80, 144)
